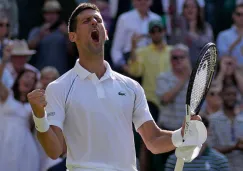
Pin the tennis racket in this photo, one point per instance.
(199, 83)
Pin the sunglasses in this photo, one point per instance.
(4, 24)
(239, 14)
(177, 57)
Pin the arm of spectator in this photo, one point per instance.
(36, 35)
(118, 43)
(135, 63)
(4, 92)
(166, 93)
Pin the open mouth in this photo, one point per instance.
(95, 36)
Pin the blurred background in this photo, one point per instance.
(155, 42)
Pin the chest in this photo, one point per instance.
(106, 102)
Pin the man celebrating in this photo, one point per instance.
(93, 107)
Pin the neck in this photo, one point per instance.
(93, 64)
(178, 73)
(23, 97)
(229, 112)
(143, 14)
(211, 109)
(159, 46)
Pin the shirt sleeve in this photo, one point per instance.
(141, 113)
(222, 46)
(55, 108)
(118, 43)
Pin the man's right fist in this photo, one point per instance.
(38, 102)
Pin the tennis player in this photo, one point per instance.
(94, 107)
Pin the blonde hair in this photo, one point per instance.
(49, 69)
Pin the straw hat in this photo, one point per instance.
(20, 48)
(52, 6)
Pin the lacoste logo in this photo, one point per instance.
(50, 114)
(122, 93)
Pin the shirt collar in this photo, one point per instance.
(83, 73)
(138, 15)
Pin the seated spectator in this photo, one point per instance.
(208, 159)
(48, 74)
(192, 30)
(51, 40)
(230, 42)
(18, 150)
(226, 127)
(171, 89)
(129, 24)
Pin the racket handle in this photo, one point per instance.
(179, 164)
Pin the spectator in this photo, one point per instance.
(171, 89)
(213, 102)
(17, 144)
(11, 9)
(208, 159)
(134, 22)
(149, 62)
(48, 74)
(20, 55)
(226, 129)
(192, 30)
(51, 40)
(229, 73)
(229, 42)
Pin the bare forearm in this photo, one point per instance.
(170, 95)
(225, 150)
(51, 143)
(34, 42)
(162, 143)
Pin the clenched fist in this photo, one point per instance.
(38, 102)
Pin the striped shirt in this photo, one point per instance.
(210, 160)
(171, 114)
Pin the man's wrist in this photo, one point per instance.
(176, 138)
(41, 124)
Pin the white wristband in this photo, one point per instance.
(177, 139)
(41, 124)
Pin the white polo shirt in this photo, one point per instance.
(96, 117)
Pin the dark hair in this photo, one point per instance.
(72, 22)
(228, 85)
(15, 88)
(201, 27)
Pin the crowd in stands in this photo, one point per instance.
(155, 42)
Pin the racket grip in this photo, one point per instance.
(179, 164)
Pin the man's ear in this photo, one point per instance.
(72, 36)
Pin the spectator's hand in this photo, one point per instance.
(45, 30)
(239, 144)
(38, 102)
(63, 28)
(125, 68)
(7, 52)
(135, 39)
(228, 66)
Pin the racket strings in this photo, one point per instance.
(202, 78)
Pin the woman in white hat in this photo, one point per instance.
(18, 147)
